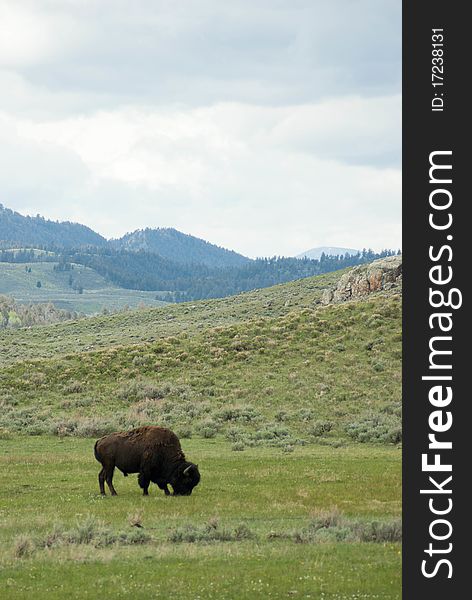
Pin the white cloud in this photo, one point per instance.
(259, 179)
(204, 52)
(24, 37)
(29, 36)
(267, 127)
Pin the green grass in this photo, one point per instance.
(97, 293)
(276, 392)
(45, 481)
(338, 364)
(156, 323)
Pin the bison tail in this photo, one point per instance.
(97, 456)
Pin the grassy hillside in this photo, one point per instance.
(20, 282)
(290, 408)
(313, 373)
(148, 325)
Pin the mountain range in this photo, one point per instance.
(17, 230)
(43, 260)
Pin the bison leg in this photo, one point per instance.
(163, 486)
(109, 479)
(101, 481)
(144, 482)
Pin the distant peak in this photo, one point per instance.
(180, 247)
(315, 253)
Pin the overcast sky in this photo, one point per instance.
(265, 126)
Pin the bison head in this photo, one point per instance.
(185, 478)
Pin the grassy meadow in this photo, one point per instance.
(97, 293)
(244, 532)
(291, 409)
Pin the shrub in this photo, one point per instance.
(331, 526)
(23, 546)
(63, 427)
(84, 532)
(306, 414)
(178, 411)
(281, 416)
(54, 538)
(133, 537)
(93, 532)
(210, 532)
(378, 531)
(377, 429)
(288, 448)
(147, 408)
(73, 387)
(37, 429)
(8, 400)
(21, 419)
(140, 361)
(327, 536)
(136, 519)
(242, 532)
(5, 434)
(76, 403)
(140, 389)
(319, 428)
(238, 446)
(337, 443)
(392, 409)
(324, 519)
(272, 434)
(184, 432)
(238, 414)
(272, 431)
(95, 427)
(81, 427)
(207, 429)
(234, 434)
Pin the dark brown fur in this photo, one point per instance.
(153, 452)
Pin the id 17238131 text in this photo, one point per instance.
(437, 70)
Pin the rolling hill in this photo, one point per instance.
(148, 325)
(19, 230)
(276, 361)
(179, 247)
(80, 289)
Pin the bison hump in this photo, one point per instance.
(151, 436)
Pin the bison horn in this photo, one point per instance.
(186, 471)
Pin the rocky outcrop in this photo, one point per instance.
(381, 275)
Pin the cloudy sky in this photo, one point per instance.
(265, 126)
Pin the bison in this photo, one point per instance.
(153, 452)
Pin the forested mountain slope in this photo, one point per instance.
(16, 230)
(179, 247)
